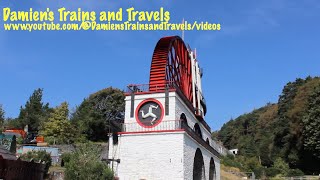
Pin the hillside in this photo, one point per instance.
(288, 129)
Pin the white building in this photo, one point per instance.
(234, 151)
(164, 135)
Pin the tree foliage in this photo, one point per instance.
(2, 118)
(99, 114)
(311, 123)
(85, 164)
(282, 166)
(230, 161)
(38, 156)
(12, 123)
(245, 164)
(288, 129)
(58, 126)
(34, 113)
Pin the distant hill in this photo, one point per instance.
(289, 129)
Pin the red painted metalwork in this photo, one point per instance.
(171, 64)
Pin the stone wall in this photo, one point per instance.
(156, 156)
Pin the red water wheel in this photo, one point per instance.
(171, 65)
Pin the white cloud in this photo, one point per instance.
(263, 16)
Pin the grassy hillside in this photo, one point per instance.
(288, 129)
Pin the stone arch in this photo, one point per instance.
(198, 166)
(184, 121)
(212, 170)
(197, 130)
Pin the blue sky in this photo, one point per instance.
(262, 45)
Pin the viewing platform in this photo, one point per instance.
(166, 87)
(173, 126)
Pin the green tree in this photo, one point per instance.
(249, 163)
(312, 124)
(2, 118)
(100, 113)
(214, 135)
(58, 126)
(84, 163)
(12, 123)
(34, 113)
(284, 139)
(282, 166)
(287, 129)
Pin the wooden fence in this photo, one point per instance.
(18, 169)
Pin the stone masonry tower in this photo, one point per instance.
(164, 134)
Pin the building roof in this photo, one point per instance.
(7, 154)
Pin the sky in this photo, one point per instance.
(262, 45)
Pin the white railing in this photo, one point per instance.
(170, 125)
(138, 88)
(163, 126)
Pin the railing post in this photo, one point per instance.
(163, 126)
(132, 104)
(166, 103)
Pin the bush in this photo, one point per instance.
(20, 140)
(84, 163)
(282, 166)
(65, 158)
(258, 171)
(272, 172)
(295, 172)
(251, 163)
(80, 138)
(37, 156)
(49, 140)
(229, 160)
(56, 140)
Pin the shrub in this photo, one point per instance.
(19, 140)
(65, 158)
(258, 171)
(295, 172)
(37, 156)
(229, 160)
(50, 140)
(272, 172)
(282, 166)
(251, 163)
(84, 163)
